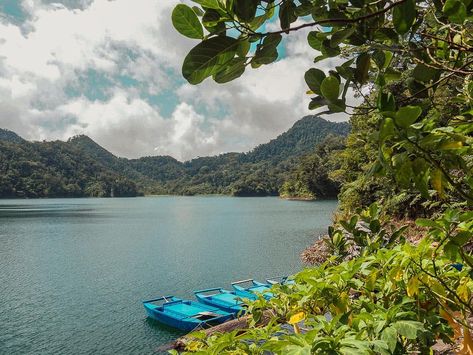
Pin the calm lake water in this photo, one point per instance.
(73, 272)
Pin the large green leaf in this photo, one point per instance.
(314, 40)
(214, 22)
(437, 181)
(234, 69)
(243, 47)
(211, 18)
(391, 74)
(337, 106)
(317, 102)
(272, 40)
(245, 9)
(407, 115)
(346, 71)
(404, 16)
(267, 51)
(382, 58)
(287, 14)
(425, 222)
(257, 22)
(387, 129)
(362, 67)
(408, 328)
(304, 9)
(208, 57)
(424, 73)
(313, 78)
(339, 36)
(455, 10)
(330, 88)
(386, 102)
(186, 22)
(389, 335)
(198, 11)
(329, 51)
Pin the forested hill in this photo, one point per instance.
(299, 140)
(9, 136)
(81, 167)
(56, 169)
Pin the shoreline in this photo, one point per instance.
(294, 198)
(167, 195)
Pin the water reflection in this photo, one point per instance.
(47, 210)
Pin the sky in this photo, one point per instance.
(112, 70)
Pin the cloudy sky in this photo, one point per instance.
(111, 70)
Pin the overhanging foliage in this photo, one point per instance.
(415, 58)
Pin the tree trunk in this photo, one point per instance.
(240, 323)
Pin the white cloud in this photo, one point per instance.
(51, 51)
(57, 37)
(43, 58)
(186, 135)
(265, 102)
(131, 127)
(117, 124)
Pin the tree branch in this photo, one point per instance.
(337, 20)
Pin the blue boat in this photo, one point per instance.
(281, 280)
(183, 314)
(229, 301)
(251, 288)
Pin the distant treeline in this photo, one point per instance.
(80, 167)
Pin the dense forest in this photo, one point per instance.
(80, 167)
(312, 178)
(394, 273)
(55, 169)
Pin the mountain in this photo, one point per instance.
(299, 140)
(88, 147)
(9, 136)
(56, 169)
(81, 167)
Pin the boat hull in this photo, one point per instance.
(186, 315)
(236, 308)
(252, 292)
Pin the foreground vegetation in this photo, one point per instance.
(80, 167)
(410, 152)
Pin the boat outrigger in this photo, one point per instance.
(183, 314)
(228, 301)
(252, 289)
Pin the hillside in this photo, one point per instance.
(304, 135)
(56, 169)
(90, 148)
(81, 167)
(9, 136)
(312, 177)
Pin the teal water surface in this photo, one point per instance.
(74, 271)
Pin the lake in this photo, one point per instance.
(74, 271)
